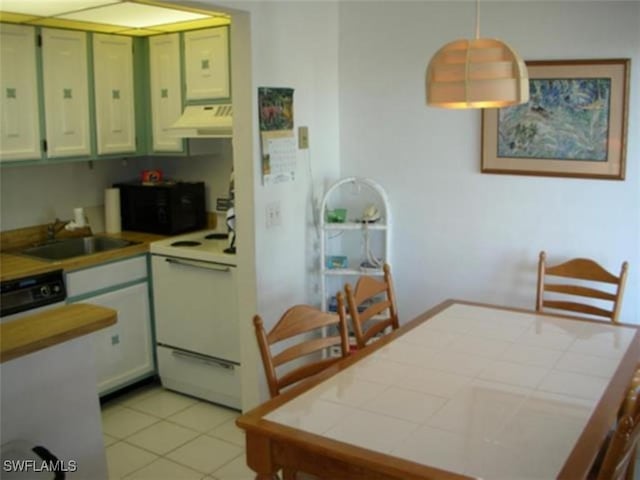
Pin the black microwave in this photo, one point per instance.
(166, 208)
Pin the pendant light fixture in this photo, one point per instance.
(478, 73)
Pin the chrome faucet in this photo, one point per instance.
(54, 227)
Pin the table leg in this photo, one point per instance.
(259, 459)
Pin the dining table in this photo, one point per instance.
(464, 390)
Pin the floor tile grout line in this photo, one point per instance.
(131, 402)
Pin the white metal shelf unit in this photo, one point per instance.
(354, 194)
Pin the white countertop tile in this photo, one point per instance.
(588, 364)
(437, 448)
(348, 390)
(434, 382)
(517, 374)
(530, 355)
(479, 410)
(574, 384)
(416, 406)
(379, 433)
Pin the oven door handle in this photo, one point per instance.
(204, 359)
(218, 267)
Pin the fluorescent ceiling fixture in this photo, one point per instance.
(134, 15)
(126, 17)
(48, 8)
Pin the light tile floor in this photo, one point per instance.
(153, 433)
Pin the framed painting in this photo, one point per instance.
(574, 125)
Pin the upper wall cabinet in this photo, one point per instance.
(19, 119)
(66, 92)
(165, 88)
(113, 82)
(207, 63)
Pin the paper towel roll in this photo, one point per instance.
(78, 216)
(112, 210)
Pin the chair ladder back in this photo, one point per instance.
(305, 371)
(624, 270)
(584, 269)
(265, 353)
(298, 320)
(366, 288)
(305, 348)
(580, 269)
(391, 295)
(621, 449)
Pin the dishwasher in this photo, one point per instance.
(18, 298)
(31, 294)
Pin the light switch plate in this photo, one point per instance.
(303, 138)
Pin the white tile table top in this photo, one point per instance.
(477, 391)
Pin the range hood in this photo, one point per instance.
(204, 121)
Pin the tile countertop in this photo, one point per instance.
(14, 265)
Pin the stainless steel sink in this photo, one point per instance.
(75, 247)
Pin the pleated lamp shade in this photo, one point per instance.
(479, 73)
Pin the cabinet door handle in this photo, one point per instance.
(202, 358)
(218, 267)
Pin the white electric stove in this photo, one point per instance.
(205, 245)
(195, 306)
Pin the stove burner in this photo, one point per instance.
(185, 243)
(217, 236)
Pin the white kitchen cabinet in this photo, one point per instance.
(114, 94)
(165, 88)
(207, 63)
(19, 117)
(360, 243)
(124, 351)
(66, 92)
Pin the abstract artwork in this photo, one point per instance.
(573, 125)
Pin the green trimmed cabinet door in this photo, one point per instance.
(19, 117)
(166, 97)
(66, 93)
(207, 63)
(114, 96)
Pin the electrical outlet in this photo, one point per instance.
(273, 215)
(303, 138)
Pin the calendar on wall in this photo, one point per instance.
(277, 138)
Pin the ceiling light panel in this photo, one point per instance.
(48, 8)
(133, 15)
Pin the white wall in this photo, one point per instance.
(459, 233)
(37, 194)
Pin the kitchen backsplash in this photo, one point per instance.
(35, 195)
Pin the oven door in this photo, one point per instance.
(195, 307)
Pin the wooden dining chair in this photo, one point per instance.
(372, 306)
(582, 286)
(618, 462)
(306, 333)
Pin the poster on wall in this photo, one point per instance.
(278, 143)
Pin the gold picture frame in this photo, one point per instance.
(574, 125)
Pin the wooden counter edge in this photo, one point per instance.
(51, 327)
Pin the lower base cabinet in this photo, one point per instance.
(123, 352)
(49, 399)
